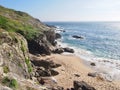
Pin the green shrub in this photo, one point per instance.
(6, 69)
(3, 22)
(12, 83)
(6, 81)
(27, 30)
(23, 47)
(28, 64)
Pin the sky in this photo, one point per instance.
(68, 10)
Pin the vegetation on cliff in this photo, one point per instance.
(37, 34)
(17, 21)
(19, 34)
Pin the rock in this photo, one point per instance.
(92, 64)
(39, 46)
(72, 89)
(42, 72)
(58, 88)
(43, 43)
(53, 72)
(5, 88)
(77, 37)
(77, 75)
(45, 63)
(58, 50)
(57, 36)
(45, 72)
(68, 50)
(92, 74)
(44, 68)
(41, 80)
(14, 53)
(82, 86)
(50, 36)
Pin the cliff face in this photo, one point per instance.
(20, 34)
(40, 37)
(14, 54)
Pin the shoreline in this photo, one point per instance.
(110, 67)
(73, 68)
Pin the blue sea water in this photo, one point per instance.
(101, 40)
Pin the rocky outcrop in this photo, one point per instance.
(40, 37)
(45, 68)
(82, 86)
(14, 56)
(61, 50)
(70, 50)
(58, 50)
(39, 45)
(77, 37)
(58, 36)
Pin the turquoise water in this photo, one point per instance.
(101, 44)
(100, 38)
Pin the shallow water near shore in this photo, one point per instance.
(101, 44)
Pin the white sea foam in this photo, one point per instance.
(108, 68)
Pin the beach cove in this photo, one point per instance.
(73, 68)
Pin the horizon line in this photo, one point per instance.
(80, 21)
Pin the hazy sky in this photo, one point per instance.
(68, 10)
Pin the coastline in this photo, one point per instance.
(73, 68)
(109, 68)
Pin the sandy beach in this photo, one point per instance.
(73, 68)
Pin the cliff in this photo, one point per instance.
(40, 37)
(21, 34)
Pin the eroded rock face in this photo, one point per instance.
(45, 68)
(13, 54)
(43, 44)
(58, 36)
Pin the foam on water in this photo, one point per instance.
(108, 68)
(101, 44)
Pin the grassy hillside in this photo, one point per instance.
(17, 21)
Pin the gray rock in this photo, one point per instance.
(58, 50)
(92, 64)
(92, 74)
(45, 63)
(68, 50)
(77, 37)
(14, 53)
(58, 36)
(77, 75)
(82, 86)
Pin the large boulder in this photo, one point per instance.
(58, 50)
(70, 50)
(82, 86)
(45, 68)
(45, 63)
(42, 44)
(57, 36)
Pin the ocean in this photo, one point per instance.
(100, 44)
